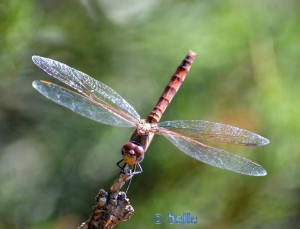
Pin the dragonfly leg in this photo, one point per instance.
(122, 167)
(125, 167)
(137, 168)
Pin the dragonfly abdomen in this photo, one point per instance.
(171, 89)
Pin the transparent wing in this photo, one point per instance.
(78, 103)
(93, 90)
(213, 156)
(204, 130)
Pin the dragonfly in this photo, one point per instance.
(95, 100)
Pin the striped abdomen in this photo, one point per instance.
(171, 88)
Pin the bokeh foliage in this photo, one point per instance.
(246, 73)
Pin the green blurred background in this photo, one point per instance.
(246, 74)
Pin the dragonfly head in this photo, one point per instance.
(132, 153)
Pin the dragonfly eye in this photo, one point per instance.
(139, 152)
(127, 147)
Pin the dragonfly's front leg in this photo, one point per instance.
(122, 167)
(136, 168)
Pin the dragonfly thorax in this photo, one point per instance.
(144, 128)
(132, 153)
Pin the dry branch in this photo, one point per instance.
(112, 207)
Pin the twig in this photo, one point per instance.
(112, 207)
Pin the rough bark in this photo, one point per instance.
(112, 207)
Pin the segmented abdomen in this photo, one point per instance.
(171, 89)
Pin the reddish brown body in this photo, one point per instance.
(143, 139)
(171, 89)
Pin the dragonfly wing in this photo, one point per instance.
(78, 103)
(204, 130)
(89, 87)
(215, 157)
